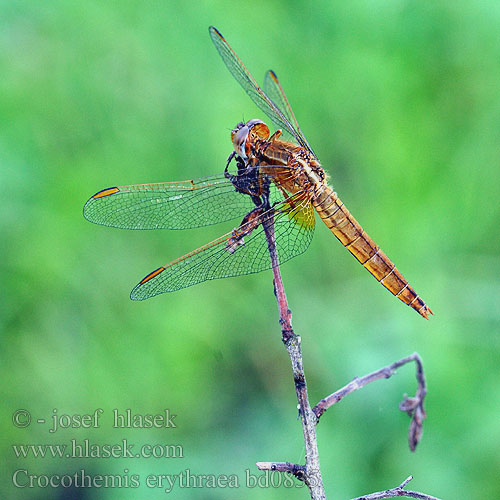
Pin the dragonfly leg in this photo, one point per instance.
(275, 136)
(251, 182)
(265, 194)
(247, 180)
(251, 220)
(229, 159)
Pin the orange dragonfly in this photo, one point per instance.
(274, 178)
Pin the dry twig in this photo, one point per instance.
(413, 406)
(397, 492)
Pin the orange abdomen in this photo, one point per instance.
(345, 227)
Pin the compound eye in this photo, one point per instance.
(258, 128)
(239, 141)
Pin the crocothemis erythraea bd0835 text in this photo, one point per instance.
(273, 177)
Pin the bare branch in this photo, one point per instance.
(397, 492)
(413, 406)
(312, 475)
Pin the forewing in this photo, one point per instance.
(275, 91)
(168, 205)
(250, 86)
(293, 227)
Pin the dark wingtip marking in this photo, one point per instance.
(152, 275)
(213, 29)
(273, 75)
(105, 192)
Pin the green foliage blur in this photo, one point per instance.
(401, 102)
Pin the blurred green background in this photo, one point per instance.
(400, 100)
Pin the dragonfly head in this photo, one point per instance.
(246, 133)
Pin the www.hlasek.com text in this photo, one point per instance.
(86, 449)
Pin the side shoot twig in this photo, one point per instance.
(413, 406)
(397, 492)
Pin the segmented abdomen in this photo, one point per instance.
(345, 227)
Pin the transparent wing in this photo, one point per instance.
(275, 91)
(168, 205)
(293, 227)
(250, 86)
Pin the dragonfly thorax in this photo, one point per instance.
(245, 134)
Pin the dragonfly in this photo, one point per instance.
(277, 177)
